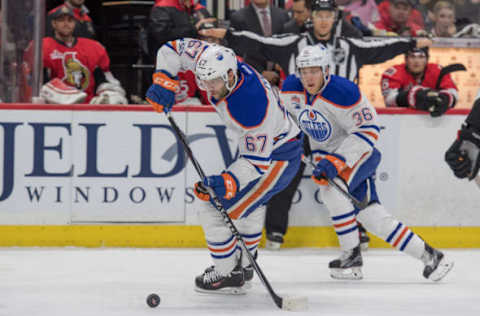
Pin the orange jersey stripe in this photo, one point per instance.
(174, 45)
(370, 134)
(262, 167)
(234, 214)
(345, 224)
(400, 237)
(222, 249)
(248, 243)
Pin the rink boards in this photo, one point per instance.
(113, 176)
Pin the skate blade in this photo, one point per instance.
(443, 268)
(224, 291)
(347, 274)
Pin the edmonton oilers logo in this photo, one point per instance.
(315, 125)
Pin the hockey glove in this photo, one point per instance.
(201, 191)
(328, 168)
(224, 185)
(442, 104)
(463, 157)
(422, 98)
(161, 94)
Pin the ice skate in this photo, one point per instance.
(211, 281)
(274, 241)
(348, 266)
(436, 265)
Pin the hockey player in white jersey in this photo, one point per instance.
(342, 127)
(270, 146)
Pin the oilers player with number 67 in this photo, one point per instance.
(342, 127)
(269, 144)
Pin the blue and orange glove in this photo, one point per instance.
(161, 94)
(328, 168)
(201, 191)
(225, 186)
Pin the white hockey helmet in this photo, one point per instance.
(215, 62)
(315, 56)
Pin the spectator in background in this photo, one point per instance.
(172, 19)
(77, 68)
(264, 19)
(414, 85)
(302, 16)
(447, 24)
(398, 16)
(83, 26)
(443, 19)
(366, 10)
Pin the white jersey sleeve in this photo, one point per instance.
(180, 55)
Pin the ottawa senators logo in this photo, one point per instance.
(76, 74)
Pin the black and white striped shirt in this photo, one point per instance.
(348, 54)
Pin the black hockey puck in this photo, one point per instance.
(153, 300)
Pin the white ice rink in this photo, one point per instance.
(104, 282)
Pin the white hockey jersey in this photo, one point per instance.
(338, 120)
(252, 111)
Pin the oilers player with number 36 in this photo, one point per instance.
(342, 127)
(269, 145)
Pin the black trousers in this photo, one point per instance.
(276, 219)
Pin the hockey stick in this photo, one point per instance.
(286, 303)
(443, 72)
(446, 70)
(358, 204)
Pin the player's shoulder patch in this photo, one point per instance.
(341, 92)
(292, 84)
(248, 104)
(390, 71)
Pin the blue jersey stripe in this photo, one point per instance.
(371, 126)
(220, 243)
(322, 152)
(346, 231)
(405, 243)
(336, 218)
(226, 255)
(390, 237)
(257, 158)
(364, 138)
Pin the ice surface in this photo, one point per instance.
(103, 282)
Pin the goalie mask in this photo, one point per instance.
(213, 66)
(315, 56)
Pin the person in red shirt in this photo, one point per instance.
(80, 63)
(414, 84)
(400, 17)
(84, 25)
